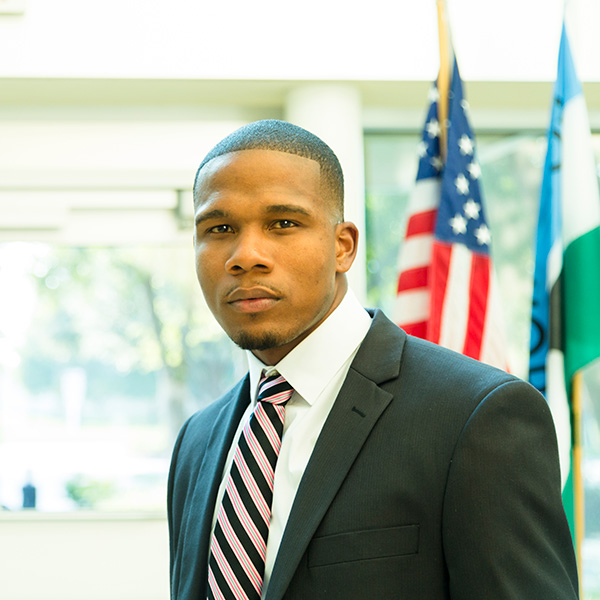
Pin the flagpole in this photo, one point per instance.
(578, 495)
(445, 74)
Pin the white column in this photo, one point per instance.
(334, 113)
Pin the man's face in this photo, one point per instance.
(269, 254)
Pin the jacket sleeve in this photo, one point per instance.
(505, 534)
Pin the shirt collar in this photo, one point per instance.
(311, 365)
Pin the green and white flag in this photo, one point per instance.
(565, 322)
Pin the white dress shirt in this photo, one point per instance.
(316, 369)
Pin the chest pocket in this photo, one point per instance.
(363, 545)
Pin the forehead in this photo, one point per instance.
(253, 171)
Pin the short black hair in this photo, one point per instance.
(281, 136)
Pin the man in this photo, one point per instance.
(404, 471)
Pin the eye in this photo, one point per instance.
(284, 224)
(221, 229)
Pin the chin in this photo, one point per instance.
(258, 341)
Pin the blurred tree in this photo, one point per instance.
(86, 492)
(134, 320)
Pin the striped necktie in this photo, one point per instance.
(239, 542)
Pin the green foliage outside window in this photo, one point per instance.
(117, 350)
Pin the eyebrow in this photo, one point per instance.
(211, 214)
(287, 208)
(271, 209)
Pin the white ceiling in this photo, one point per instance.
(512, 40)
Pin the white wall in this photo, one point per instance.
(83, 557)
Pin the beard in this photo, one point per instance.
(262, 341)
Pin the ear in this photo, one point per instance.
(346, 245)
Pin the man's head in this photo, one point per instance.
(271, 250)
(282, 136)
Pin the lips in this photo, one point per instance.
(252, 300)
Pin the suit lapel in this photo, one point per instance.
(198, 521)
(357, 408)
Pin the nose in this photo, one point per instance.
(249, 252)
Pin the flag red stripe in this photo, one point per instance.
(440, 265)
(413, 278)
(422, 222)
(478, 295)
(416, 329)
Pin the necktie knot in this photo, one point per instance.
(274, 389)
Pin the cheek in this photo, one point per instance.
(316, 267)
(206, 267)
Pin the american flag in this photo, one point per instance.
(447, 292)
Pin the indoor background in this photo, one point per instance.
(106, 109)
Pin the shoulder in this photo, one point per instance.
(427, 377)
(388, 351)
(196, 431)
(194, 439)
(456, 381)
(447, 367)
(206, 418)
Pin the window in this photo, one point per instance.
(511, 171)
(104, 352)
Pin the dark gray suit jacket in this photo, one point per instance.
(434, 477)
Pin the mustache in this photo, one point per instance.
(236, 288)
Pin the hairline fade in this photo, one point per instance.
(281, 136)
